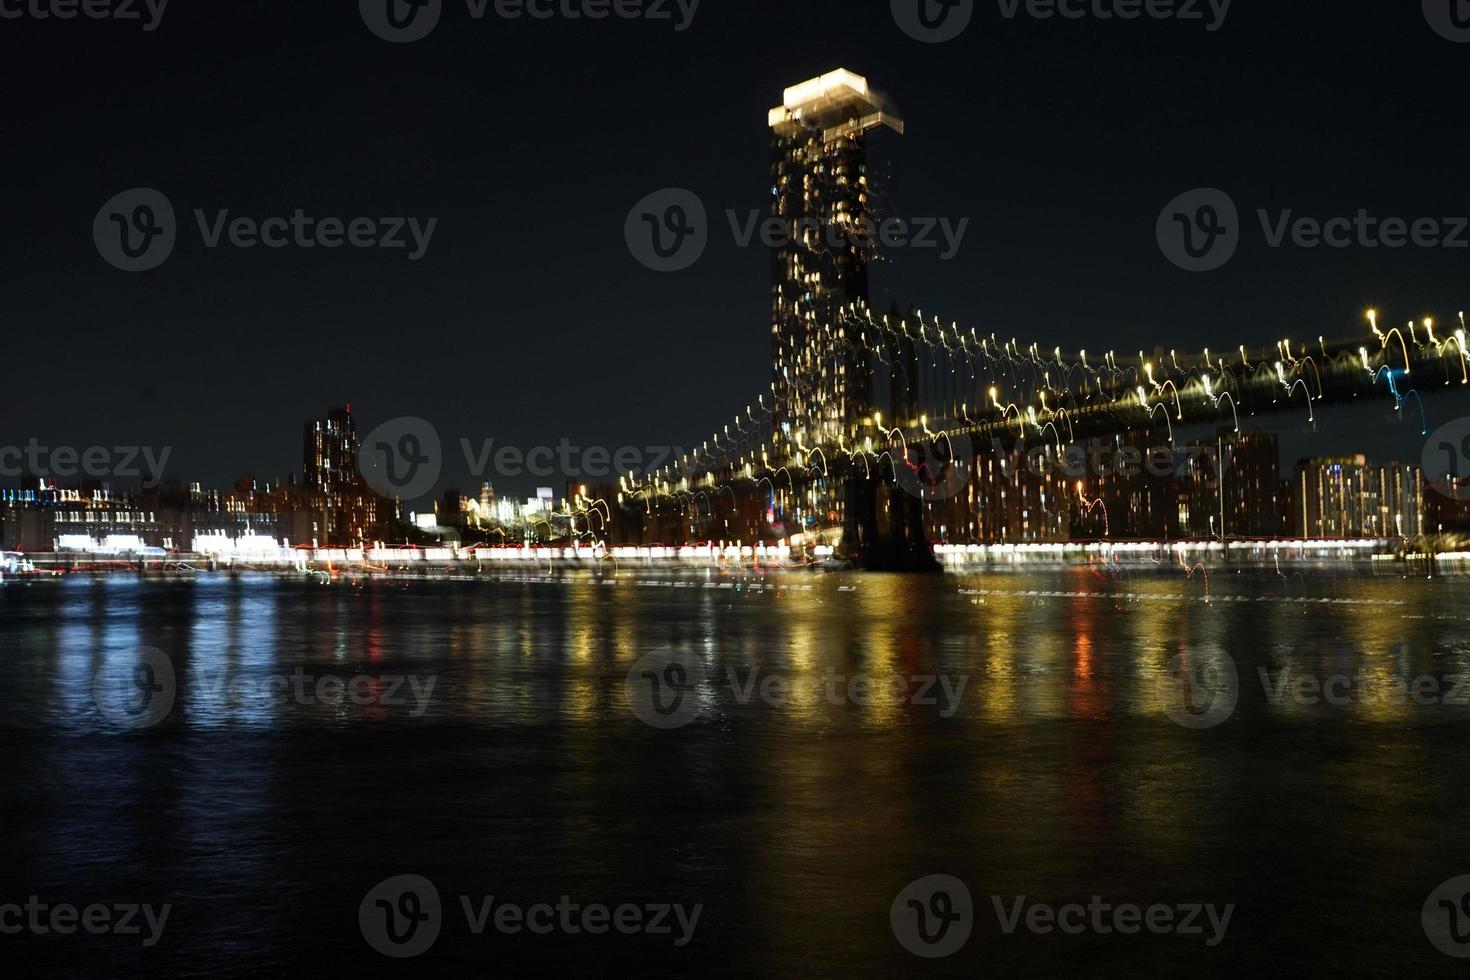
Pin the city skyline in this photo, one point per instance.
(1031, 262)
(838, 367)
(330, 504)
(702, 488)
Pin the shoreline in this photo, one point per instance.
(1390, 557)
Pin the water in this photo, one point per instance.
(1048, 768)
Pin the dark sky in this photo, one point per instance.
(528, 321)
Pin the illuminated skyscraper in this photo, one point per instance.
(329, 452)
(1396, 501)
(819, 194)
(1231, 485)
(1331, 497)
(1345, 497)
(353, 513)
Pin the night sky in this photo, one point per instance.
(528, 321)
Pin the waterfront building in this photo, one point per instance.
(1330, 497)
(1396, 503)
(1230, 486)
(353, 514)
(1347, 497)
(1446, 505)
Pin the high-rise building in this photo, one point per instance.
(1130, 493)
(1330, 497)
(353, 513)
(1251, 483)
(1397, 501)
(329, 452)
(820, 198)
(1233, 482)
(1346, 497)
(1446, 504)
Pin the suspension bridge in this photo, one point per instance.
(931, 413)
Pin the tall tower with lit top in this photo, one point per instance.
(819, 194)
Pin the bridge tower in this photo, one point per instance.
(819, 194)
(822, 384)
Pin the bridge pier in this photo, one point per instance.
(884, 527)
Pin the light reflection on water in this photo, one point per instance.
(1054, 773)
